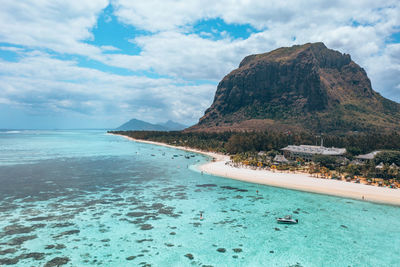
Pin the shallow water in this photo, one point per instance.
(85, 198)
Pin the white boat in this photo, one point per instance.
(287, 219)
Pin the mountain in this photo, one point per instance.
(304, 87)
(138, 125)
(173, 126)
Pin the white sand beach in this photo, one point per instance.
(296, 181)
(304, 182)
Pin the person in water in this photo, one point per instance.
(201, 216)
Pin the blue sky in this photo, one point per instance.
(97, 64)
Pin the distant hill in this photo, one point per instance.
(173, 126)
(304, 87)
(139, 125)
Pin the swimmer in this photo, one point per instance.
(257, 192)
(201, 216)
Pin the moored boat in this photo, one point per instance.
(287, 220)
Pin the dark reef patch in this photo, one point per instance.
(137, 214)
(9, 261)
(189, 256)
(12, 261)
(70, 232)
(63, 217)
(61, 225)
(15, 229)
(226, 222)
(157, 206)
(206, 185)
(6, 206)
(20, 240)
(41, 218)
(146, 227)
(57, 261)
(34, 255)
(234, 188)
(196, 224)
(60, 246)
(8, 251)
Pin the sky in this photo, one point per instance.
(99, 63)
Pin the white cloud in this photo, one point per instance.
(56, 25)
(182, 56)
(42, 84)
(385, 71)
(161, 15)
(106, 48)
(11, 48)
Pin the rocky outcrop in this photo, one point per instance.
(308, 87)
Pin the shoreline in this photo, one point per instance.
(216, 156)
(298, 181)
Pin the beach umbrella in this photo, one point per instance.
(393, 166)
(379, 166)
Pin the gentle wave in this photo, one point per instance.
(10, 132)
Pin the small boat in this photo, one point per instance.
(287, 219)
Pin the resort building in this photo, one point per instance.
(368, 156)
(280, 159)
(307, 152)
(380, 166)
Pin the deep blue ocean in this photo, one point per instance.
(86, 198)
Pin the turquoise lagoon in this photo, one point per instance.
(85, 198)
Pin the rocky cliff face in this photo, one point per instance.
(307, 87)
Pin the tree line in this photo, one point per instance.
(241, 142)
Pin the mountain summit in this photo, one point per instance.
(304, 87)
(139, 125)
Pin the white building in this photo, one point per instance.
(368, 156)
(280, 159)
(307, 152)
